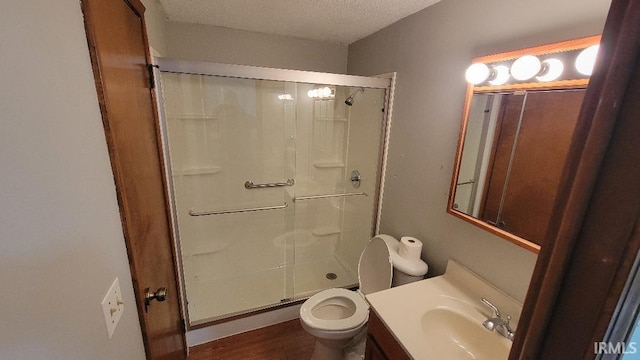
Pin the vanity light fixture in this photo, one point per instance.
(501, 75)
(285, 97)
(322, 93)
(526, 67)
(551, 70)
(587, 59)
(477, 73)
(547, 65)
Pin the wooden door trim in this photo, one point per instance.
(139, 10)
(584, 206)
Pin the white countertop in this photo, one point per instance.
(458, 290)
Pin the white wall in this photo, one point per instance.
(430, 50)
(61, 242)
(222, 45)
(156, 22)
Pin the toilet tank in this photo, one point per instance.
(400, 278)
(405, 271)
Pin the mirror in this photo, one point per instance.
(514, 141)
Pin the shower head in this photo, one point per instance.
(349, 100)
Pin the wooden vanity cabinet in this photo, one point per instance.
(381, 345)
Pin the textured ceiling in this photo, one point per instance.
(341, 21)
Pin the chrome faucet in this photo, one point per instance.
(497, 323)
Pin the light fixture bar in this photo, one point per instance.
(543, 64)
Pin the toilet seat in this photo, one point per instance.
(375, 270)
(359, 317)
(374, 274)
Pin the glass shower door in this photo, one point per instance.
(232, 164)
(338, 163)
(274, 184)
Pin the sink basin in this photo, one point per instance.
(452, 335)
(441, 318)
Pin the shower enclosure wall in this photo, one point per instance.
(275, 183)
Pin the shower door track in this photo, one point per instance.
(263, 73)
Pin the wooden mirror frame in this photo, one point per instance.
(563, 46)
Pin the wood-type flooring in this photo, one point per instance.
(284, 341)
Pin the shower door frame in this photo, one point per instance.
(383, 81)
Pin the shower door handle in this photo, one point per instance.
(160, 295)
(251, 185)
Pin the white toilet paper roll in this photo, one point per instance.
(410, 248)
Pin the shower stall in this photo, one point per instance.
(275, 181)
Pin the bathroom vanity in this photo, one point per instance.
(442, 318)
(381, 345)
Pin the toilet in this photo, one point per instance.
(338, 317)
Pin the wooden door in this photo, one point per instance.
(594, 236)
(120, 57)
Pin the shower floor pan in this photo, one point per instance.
(214, 299)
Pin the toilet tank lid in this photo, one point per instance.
(375, 270)
(410, 267)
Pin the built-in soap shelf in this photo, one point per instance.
(199, 171)
(328, 164)
(326, 231)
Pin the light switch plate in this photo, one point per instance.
(112, 307)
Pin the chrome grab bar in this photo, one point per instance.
(204, 213)
(250, 185)
(313, 197)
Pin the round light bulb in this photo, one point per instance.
(526, 67)
(326, 91)
(587, 59)
(502, 75)
(477, 73)
(310, 94)
(554, 68)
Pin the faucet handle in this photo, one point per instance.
(509, 333)
(496, 312)
(507, 325)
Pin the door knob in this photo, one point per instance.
(160, 295)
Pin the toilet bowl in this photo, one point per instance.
(336, 316)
